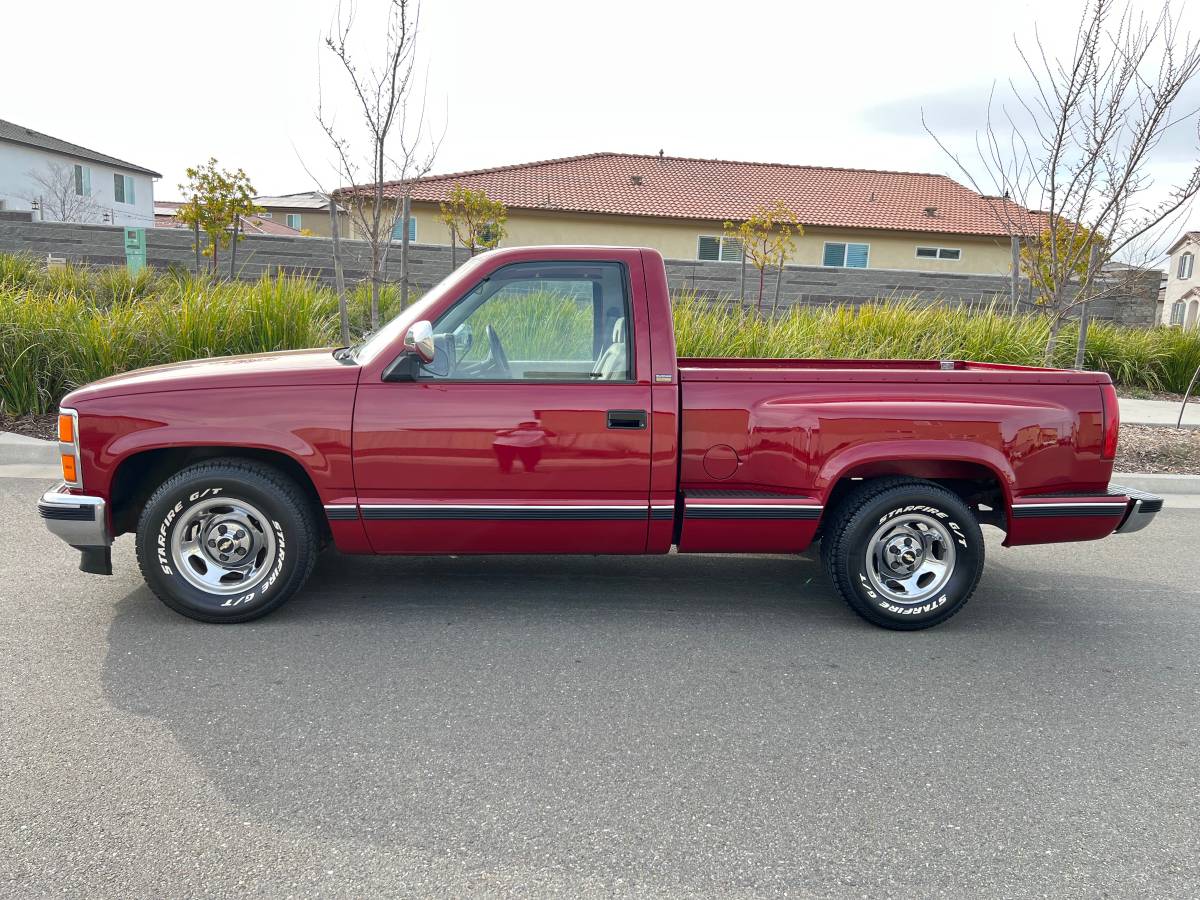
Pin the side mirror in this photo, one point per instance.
(419, 340)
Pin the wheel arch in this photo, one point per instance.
(984, 477)
(137, 476)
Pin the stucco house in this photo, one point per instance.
(61, 181)
(1181, 297)
(852, 218)
(306, 211)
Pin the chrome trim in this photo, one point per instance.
(1142, 511)
(66, 516)
(72, 448)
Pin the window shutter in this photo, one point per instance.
(118, 189)
(412, 229)
(856, 256)
(835, 255)
(87, 181)
(708, 247)
(129, 189)
(731, 249)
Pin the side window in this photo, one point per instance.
(1185, 265)
(556, 321)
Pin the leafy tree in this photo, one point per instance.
(766, 240)
(1079, 141)
(474, 219)
(215, 199)
(1067, 251)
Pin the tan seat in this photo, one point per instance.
(613, 364)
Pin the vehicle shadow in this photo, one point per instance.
(519, 706)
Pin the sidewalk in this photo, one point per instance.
(1159, 412)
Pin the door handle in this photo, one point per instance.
(632, 419)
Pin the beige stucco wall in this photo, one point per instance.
(315, 220)
(1177, 287)
(677, 239)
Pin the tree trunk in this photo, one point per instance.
(1015, 275)
(1092, 273)
(405, 218)
(778, 284)
(237, 221)
(196, 232)
(758, 303)
(374, 288)
(1052, 340)
(742, 282)
(339, 279)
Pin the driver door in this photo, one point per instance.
(530, 430)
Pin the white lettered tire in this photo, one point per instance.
(226, 540)
(904, 554)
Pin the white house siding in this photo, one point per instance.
(17, 185)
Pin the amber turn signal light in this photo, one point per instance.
(66, 429)
(68, 467)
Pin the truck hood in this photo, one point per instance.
(291, 368)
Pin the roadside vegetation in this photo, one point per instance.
(66, 327)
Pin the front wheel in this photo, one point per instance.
(904, 554)
(226, 541)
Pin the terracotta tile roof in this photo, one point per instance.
(712, 189)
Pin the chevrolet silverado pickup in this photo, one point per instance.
(533, 403)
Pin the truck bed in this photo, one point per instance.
(698, 369)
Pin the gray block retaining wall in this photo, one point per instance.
(268, 254)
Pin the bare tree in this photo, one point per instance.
(61, 195)
(378, 161)
(1077, 147)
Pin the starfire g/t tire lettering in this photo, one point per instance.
(226, 540)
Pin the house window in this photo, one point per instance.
(398, 230)
(719, 248)
(1185, 265)
(939, 253)
(123, 188)
(846, 256)
(293, 220)
(1178, 310)
(83, 181)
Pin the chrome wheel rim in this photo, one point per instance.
(223, 546)
(910, 558)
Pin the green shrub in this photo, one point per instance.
(69, 326)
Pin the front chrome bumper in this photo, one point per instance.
(1143, 507)
(80, 521)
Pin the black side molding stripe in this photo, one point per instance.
(1069, 510)
(761, 512)
(565, 513)
(341, 512)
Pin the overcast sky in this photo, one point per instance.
(166, 85)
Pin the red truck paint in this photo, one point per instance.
(737, 455)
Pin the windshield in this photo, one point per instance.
(373, 344)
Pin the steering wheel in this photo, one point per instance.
(499, 360)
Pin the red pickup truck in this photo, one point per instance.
(533, 403)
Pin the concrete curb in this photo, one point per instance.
(1159, 484)
(19, 449)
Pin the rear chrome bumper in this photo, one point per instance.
(80, 521)
(1143, 507)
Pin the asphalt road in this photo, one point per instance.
(603, 727)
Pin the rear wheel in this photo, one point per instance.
(226, 541)
(904, 554)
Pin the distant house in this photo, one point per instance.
(61, 181)
(1181, 299)
(852, 218)
(306, 211)
(164, 217)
